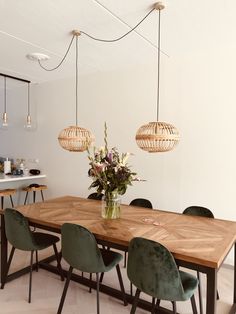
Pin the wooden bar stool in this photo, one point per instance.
(34, 188)
(7, 192)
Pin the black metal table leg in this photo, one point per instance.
(211, 291)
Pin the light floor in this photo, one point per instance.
(47, 289)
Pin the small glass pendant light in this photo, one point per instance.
(28, 124)
(4, 122)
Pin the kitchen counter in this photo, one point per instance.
(10, 178)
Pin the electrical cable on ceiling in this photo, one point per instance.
(96, 39)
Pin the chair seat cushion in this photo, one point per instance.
(43, 240)
(189, 283)
(110, 258)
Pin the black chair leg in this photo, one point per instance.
(2, 202)
(135, 303)
(200, 293)
(125, 260)
(153, 306)
(30, 279)
(174, 307)
(194, 307)
(121, 284)
(37, 261)
(8, 267)
(101, 277)
(58, 262)
(98, 307)
(65, 290)
(90, 278)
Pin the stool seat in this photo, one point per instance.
(7, 192)
(34, 188)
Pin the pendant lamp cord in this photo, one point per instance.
(121, 37)
(94, 38)
(158, 62)
(28, 99)
(76, 83)
(62, 60)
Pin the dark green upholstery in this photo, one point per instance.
(141, 202)
(80, 250)
(198, 211)
(20, 236)
(152, 269)
(95, 196)
(202, 212)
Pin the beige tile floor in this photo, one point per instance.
(47, 289)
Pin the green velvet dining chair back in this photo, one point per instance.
(95, 196)
(152, 269)
(141, 202)
(20, 236)
(80, 249)
(17, 230)
(198, 211)
(202, 212)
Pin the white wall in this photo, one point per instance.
(197, 96)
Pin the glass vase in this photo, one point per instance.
(111, 206)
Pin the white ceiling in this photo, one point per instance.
(44, 26)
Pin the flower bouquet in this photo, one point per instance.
(111, 175)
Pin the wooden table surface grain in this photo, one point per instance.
(204, 241)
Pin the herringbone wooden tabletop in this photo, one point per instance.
(204, 241)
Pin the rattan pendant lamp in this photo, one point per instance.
(75, 138)
(157, 136)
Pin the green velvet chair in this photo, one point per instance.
(80, 250)
(141, 202)
(198, 211)
(95, 196)
(152, 269)
(22, 238)
(203, 212)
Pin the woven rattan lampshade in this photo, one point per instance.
(75, 139)
(157, 137)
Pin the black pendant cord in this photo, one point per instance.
(94, 38)
(76, 83)
(158, 62)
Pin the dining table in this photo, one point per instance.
(197, 243)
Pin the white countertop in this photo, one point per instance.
(4, 178)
